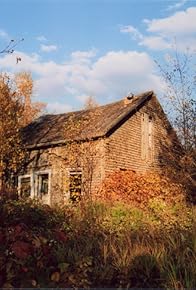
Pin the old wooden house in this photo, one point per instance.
(72, 153)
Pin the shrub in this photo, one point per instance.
(6, 194)
(139, 189)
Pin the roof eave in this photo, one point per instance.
(60, 142)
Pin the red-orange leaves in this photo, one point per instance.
(139, 189)
(21, 249)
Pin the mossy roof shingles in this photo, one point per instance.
(51, 130)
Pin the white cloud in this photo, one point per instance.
(28, 62)
(57, 107)
(41, 38)
(82, 98)
(179, 27)
(177, 5)
(48, 48)
(152, 42)
(155, 42)
(132, 31)
(83, 54)
(108, 77)
(120, 72)
(161, 33)
(180, 23)
(113, 75)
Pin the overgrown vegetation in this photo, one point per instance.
(139, 189)
(16, 111)
(100, 243)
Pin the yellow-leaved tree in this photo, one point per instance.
(16, 111)
(24, 90)
(11, 149)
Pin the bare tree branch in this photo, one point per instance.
(9, 49)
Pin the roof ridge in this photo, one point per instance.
(101, 106)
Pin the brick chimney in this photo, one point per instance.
(128, 99)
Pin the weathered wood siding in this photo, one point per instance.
(124, 146)
(55, 160)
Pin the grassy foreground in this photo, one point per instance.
(97, 244)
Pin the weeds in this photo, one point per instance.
(97, 244)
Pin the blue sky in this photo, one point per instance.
(77, 48)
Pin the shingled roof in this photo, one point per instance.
(50, 130)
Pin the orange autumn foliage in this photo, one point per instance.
(11, 149)
(138, 189)
(16, 111)
(24, 89)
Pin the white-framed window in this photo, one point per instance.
(42, 183)
(35, 185)
(25, 185)
(147, 140)
(75, 184)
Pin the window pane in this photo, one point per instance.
(25, 188)
(43, 184)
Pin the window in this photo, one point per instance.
(75, 184)
(25, 185)
(146, 137)
(43, 180)
(35, 185)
